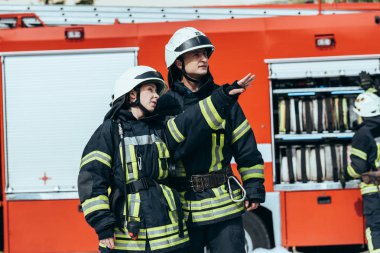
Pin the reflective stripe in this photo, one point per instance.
(177, 135)
(100, 202)
(240, 131)
(169, 197)
(98, 156)
(359, 153)
(134, 204)
(210, 114)
(233, 207)
(216, 152)
(141, 140)
(168, 242)
(368, 235)
(130, 157)
(210, 203)
(167, 236)
(351, 171)
(377, 161)
(163, 153)
(368, 188)
(162, 230)
(256, 171)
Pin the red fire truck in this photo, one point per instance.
(56, 81)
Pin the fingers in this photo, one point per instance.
(250, 206)
(246, 81)
(236, 91)
(109, 242)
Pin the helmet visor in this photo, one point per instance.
(150, 74)
(194, 42)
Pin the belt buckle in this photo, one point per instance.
(195, 185)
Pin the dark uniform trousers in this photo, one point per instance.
(372, 220)
(222, 237)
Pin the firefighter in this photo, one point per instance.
(122, 179)
(213, 200)
(365, 161)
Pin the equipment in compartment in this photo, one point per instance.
(313, 163)
(313, 126)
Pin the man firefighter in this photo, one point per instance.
(365, 161)
(213, 199)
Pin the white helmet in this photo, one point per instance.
(184, 40)
(135, 76)
(367, 105)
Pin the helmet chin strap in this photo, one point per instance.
(138, 104)
(185, 74)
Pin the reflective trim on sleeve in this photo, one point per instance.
(368, 188)
(177, 135)
(98, 156)
(377, 161)
(351, 171)
(240, 131)
(359, 153)
(256, 171)
(210, 114)
(100, 202)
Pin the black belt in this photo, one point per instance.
(139, 185)
(200, 183)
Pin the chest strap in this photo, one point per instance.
(140, 185)
(200, 183)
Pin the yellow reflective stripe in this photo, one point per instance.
(240, 131)
(213, 119)
(167, 242)
(216, 153)
(211, 203)
(163, 230)
(160, 155)
(163, 153)
(217, 213)
(377, 161)
(96, 156)
(173, 129)
(132, 157)
(100, 202)
(169, 197)
(351, 171)
(368, 188)
(134, 204)
(256, 171)
(368, 235)
(359, 153)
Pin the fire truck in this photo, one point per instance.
(57, 79)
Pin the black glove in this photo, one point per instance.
(227, 88)
(365, 80)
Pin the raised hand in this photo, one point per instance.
(244, 83)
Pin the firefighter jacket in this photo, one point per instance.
(141, 158)
(233, 138)
(365, 152)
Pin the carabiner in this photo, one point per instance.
(230, 190)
